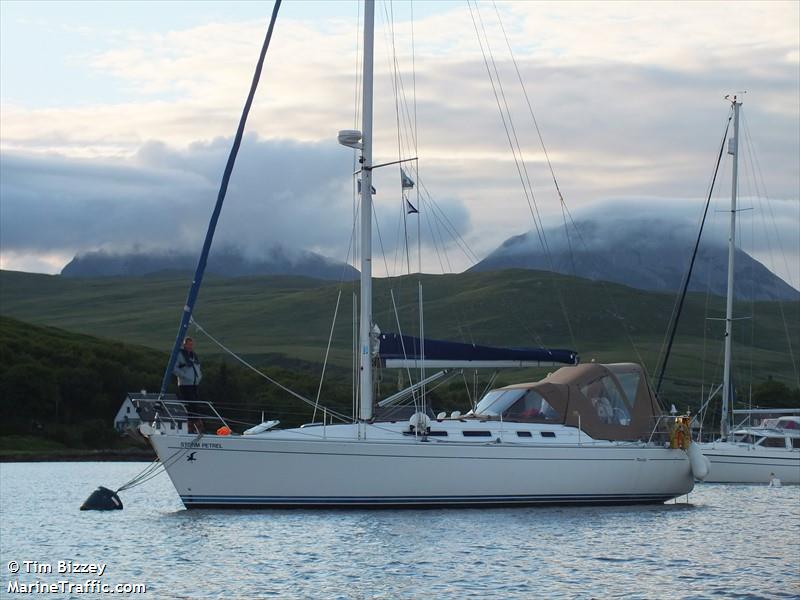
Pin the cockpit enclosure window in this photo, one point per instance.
(608, 401)
(531, 407)
(519, 404)
(497, 402)
(629, 381)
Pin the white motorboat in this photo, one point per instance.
(757, 454)
(585, 434)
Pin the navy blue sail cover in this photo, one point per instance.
(395, 346)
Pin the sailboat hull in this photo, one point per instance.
(743, 463)
(253, 472)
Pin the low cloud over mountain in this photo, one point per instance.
(642, 251)
(228, 263)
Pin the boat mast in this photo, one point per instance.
(365, 327)
(733, 149)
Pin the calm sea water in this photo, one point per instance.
(728, 542)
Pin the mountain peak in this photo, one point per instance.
(648, 254)
(278, 260)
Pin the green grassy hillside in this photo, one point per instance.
(291, 317)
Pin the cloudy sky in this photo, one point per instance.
(116, 119)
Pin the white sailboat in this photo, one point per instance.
(586, 434)
(747, 455)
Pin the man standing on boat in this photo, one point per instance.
(187, 370)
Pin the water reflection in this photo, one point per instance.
(728, 541)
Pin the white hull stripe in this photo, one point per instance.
(750, 460)
(422, 456)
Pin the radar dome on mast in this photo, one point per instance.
(350, 138)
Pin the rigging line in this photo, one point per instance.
(414, 93)
(546, 246)
(757, 167)
(395, 68)
(541, 141)
(434, 221)
(395, 84)
(676, 314)
(749, 184)
(569, 239)
(752, 302)
(354, 358)
(434, 240)
(615, 310)
(404, 215)
(380, 240)
(705, 328)
(505, 126)
(756, 163)
(391, 292)
(397, 80)
(452, 230)
(194, 289)
(767, 236)
(147, 471)
(327, 353)
(357, 83)
(152, 470)
(778, 300)
(402, 229)
(403, 347)
(532, 204)
(709, 192)
(264, 375)
(530, 106)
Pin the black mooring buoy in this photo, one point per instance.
(102, 499)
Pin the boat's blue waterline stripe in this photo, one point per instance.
(194, 501)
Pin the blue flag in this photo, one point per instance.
(405, 181)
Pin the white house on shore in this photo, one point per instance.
(127, 416)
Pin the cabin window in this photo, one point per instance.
(523, 434)
(608, 401)
(437, 433)
(795, 443)
(477, 433)
(550, 434)
(774, 442)
(531, 407)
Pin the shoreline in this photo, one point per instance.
(133, 455)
